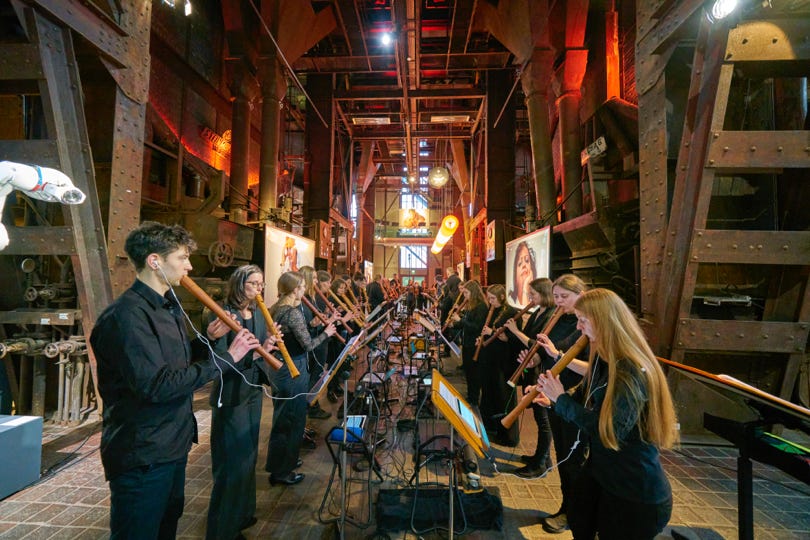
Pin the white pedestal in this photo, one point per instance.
(20, 452)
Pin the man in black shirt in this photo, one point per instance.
(375, 293)
(146, 380)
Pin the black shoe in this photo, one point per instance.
(298, 464)
(318, 413)
(309, 443)
(528, 459)
(289, 480)
(311, 433)
(248, 523)
(555, 524)
(530, 471)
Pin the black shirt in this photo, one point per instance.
(146, 380)
(376, 296)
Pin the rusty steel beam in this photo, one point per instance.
(20, 61)
(751, 247)
(751, 150)
(769, 41)
(36, 240)
(100, 31)
(675, 281)
(742, 336)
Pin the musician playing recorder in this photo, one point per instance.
(624, 408)
(471, 321)
(147, 373)
(236, 403)
(289, 393)
(566, 290)
(496, 360)
(540, 295)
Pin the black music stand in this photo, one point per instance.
(326, 377)
(465, 422)
(750, 438)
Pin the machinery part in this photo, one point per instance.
(220, 254)
(28, 265)
(52, 350)
(21, 345)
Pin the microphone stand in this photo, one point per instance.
(344, 457)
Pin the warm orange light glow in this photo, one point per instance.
(448, 227)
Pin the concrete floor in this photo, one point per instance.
(72, 498)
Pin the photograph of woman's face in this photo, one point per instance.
(524, 274)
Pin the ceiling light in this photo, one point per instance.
(371, 120)
(386, 39)
(448, 227)
(438, 177)
(449, 118)
(188, 8)
(721, 9)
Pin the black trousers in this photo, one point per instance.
(289, 418)
(540, 414)
(594, 510)
(234, 452)
(565, 435)
(472, 374)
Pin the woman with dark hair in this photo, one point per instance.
(289, 394)
(471, 324)
(625, 410)
(540, 294)
(524, 270)
(496, 360)
(236, 401)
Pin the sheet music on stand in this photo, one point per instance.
(459, 413)
(329, 374)
(429, 325)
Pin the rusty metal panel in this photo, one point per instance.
(742, 336)
(769, 40)
(43, 152)
(20, 61)
(40, 241)
(93, 25)
(751, 247)
(51, 317)
(741, 150)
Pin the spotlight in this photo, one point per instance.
(386, 39)
(188, 8)
(721, 9)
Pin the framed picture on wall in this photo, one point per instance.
(527, 258)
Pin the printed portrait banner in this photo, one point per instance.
(284, 251)
(527, 258)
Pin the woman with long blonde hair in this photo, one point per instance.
(625, 409)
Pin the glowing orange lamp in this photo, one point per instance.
(448, 227)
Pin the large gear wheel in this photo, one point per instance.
(220, 254)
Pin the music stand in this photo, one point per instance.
(747, 436)
(329, 374)
(462, 419)
(435, 328)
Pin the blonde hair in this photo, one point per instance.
(619, 340)
(287, 283)
(570, 282)
(309, 276)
